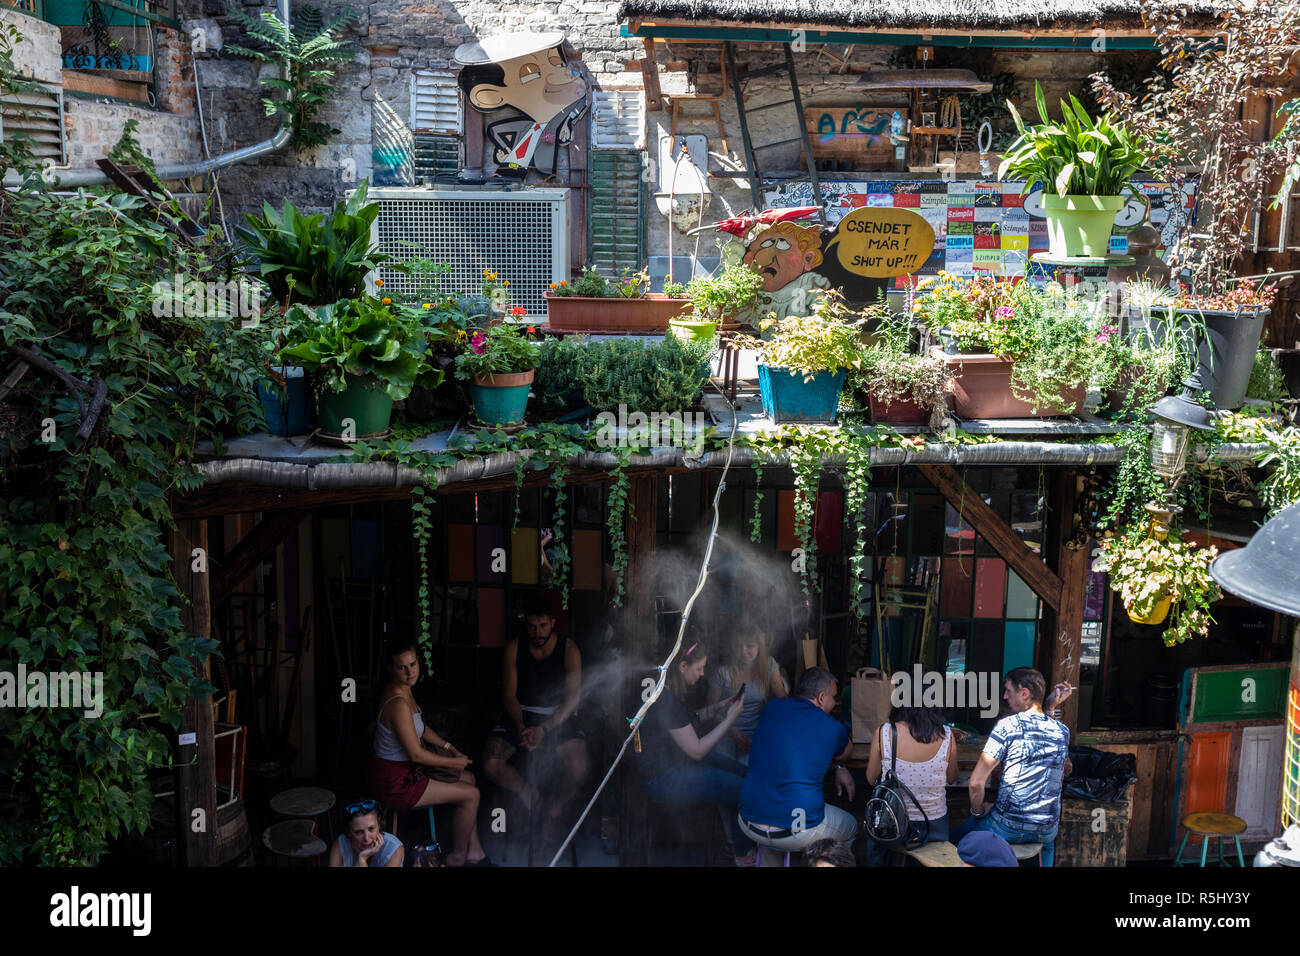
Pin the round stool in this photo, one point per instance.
(1027, 851)
(294, 840)
(306, 803)
(1212, 826)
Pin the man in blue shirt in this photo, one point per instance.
(1033, 750)
(781, 800)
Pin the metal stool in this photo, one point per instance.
(1212, 826)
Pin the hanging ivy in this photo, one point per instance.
(857, 478)
(420, 528)
(806, 463)
(620, 512)
(756, 519)
(561, 560)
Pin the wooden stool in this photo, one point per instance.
(938, 853)
(1027, 851)
(306, 803)
(1212, 825)
(294, 840)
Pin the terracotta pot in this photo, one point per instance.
(981, 388)
(505, 379)
(579, 313)
(900, 411)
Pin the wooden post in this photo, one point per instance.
(1065, 626)
(196, 785)
(638, 637)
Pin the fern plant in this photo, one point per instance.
(308, 52)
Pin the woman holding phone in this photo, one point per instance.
(757, 677)
(678, 766)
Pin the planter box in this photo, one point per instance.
(982, 389)
(578, 313)
(901, 411)
(787, 398)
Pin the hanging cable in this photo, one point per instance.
(636, 720)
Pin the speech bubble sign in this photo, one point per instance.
(880, 242)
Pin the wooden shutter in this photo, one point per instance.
(618, 119)
(435, 102)
(617, 211)
(37, 112)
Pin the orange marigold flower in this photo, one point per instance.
(379, 282)
(386, 301)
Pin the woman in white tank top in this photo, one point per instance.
(927, 763)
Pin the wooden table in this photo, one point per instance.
(303, 802)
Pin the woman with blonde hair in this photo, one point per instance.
(750, 667)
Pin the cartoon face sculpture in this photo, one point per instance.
(784, 252)
(531, 95)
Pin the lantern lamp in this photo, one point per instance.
(1171, 432)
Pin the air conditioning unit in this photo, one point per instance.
(522, 235)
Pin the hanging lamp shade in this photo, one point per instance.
(963, 80)
(1267, 570)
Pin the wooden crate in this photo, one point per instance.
(1093, 833)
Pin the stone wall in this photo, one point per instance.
(37, 57)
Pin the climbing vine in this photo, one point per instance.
(560, 561)
(420, 529)
(756, 518)
(620, 512)
(857, 478)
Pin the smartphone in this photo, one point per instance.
(740, 693)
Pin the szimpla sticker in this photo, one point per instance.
(882, 242)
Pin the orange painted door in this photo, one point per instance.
(1207, 775)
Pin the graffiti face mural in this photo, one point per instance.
(531, 95)
(784, 252)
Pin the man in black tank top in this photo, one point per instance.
(543, 685)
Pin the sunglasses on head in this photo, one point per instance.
(360, 807)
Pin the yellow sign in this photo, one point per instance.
(880, 242)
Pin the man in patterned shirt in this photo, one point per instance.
(1033, 749)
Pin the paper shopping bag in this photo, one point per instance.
(870, 693)
(811, 654)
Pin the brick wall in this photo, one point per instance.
(37, 57)
(94, 127)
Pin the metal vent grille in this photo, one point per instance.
(618, 119)
(38, 113)
(437, 158)
(522, 236)
(435, 102)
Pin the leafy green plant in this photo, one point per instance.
(361, 337)
(675, 290)
(313, 260)
(1078, 156)
(1266, 380)
(86, 580)
(732, 295)
(503, 349)
(646, 376)
(977, 107)
(308, 52)
(824, 341)
(889, 370)
(558, 383)
(1282, 487)
(592, 285)
(1145, 569)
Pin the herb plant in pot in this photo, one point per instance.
(803, 367)
(902, 387)
(594, 303)
(733, 296)
(499, 364)
(362, 355)
(1084, 166)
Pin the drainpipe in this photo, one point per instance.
(96, 177)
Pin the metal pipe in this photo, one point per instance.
(96, 177)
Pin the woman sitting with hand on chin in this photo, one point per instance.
(363, 842)
(414, 767)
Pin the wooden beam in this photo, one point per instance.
(195, 762)
(828, 33)
(1009, 545)
(638, 637)
(650, 75)
(1069, 541)
(250, 552)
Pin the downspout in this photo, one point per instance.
(96, 177)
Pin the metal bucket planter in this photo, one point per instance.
(787, 398)
(500, 399)
(692, 330)
(1226, 353)
(1080, 225)
(287, 409)
(1157, 615)
(365, 403)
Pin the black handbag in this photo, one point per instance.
(888, 820)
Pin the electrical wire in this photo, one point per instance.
(639, 717)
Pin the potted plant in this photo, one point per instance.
(802, 368)
(362, 355)
(732, 296)
(902, 387)
(1084, 166)
(313, 260)
(1012, 351)
(593, 303)
(1158, 576)
(1197, 137)
(499, 363)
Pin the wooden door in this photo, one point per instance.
(1207, 773)
(1259, 781)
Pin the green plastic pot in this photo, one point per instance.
(501, 399)
(364, 401)
(1080, 225)
(692, 330)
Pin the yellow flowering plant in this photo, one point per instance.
(1146, 570)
